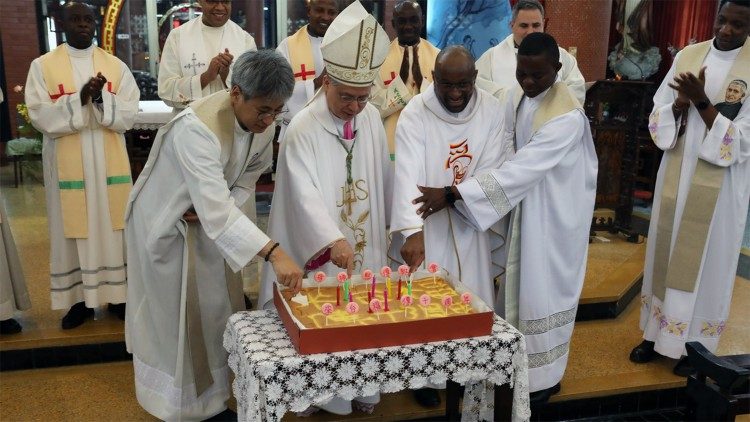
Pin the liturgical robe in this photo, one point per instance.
(311, 208)
(208, 163)
(187, 54)
(13, 293)
(497, 70)
(552, 180)
(90, 269)
(302, 50)
(701, 314)
(440, 148)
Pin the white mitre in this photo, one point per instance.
(354, 47)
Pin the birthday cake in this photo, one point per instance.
(365, 311)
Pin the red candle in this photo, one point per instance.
(350, 296)
(369, 298)
(399, 289)
(338, 296)
(385, 299)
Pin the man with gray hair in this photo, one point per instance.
(187, 239)
(497, 66)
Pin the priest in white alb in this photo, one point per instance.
(333, 180)
(549, 184)
(302, 49)
(497, 66)
(83, 99)
(407, 69)
(188, 239)
(702, 194)
(198, 55)
(14, 296)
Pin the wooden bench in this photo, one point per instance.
(720, 388)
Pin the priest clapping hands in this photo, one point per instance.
(219, 66)
(93, 89)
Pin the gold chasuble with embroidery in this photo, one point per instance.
(58, 75)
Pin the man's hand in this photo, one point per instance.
(221, 60)
(432, 200)
(690, 87)
(318, 82)
(224, 70)
(404, 72)
(288, 273)
(93, 88)
(342, 255)
(190, 216)
(416, 72)
(413, 251)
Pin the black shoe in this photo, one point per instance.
(76, 316)
(427, 397)
(683, 368)
(10, 326)
(228, 415)
(643, 352)
(117, 309)
(248, 303)
(542, 396)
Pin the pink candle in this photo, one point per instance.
(350, 296)
(369, 298)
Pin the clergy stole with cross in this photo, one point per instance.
(300, 54)
(58, 76)
(679, 268)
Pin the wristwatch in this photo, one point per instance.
(450, 198)
(702, 105)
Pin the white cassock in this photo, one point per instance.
(497, 70)
(92, 269)
(309, 212)
(437, 148)
(188, 167)
(552, 177)
(13, 293)
(187, 54)
(303, 89)
(700, 315)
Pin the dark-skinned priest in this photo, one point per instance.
(82, 99)
(332, 198)
(188, 238)
(549, 187)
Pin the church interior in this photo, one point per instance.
(624, 49)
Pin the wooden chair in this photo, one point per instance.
(720, 389)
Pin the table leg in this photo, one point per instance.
(503, 402)
(452, 396)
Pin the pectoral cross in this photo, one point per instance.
(195, 65)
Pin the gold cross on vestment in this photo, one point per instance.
(348, 198)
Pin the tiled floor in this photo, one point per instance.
(598, 362)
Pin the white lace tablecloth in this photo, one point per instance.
(271, 378)
(152, 115)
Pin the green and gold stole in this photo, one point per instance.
(58, 76)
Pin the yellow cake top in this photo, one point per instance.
(311, 315)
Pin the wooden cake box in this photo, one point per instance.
(344, 338)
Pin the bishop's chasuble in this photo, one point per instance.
(700, 207)
(439, 148)
(550, 184)
(183, 275)
(86, 171)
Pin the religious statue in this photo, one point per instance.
(634, 57)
